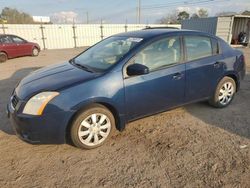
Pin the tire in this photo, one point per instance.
(224, 93)
(84, 132)
(35, 51)
(3, 57)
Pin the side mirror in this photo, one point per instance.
(137, 69)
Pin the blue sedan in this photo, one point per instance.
(122, 78)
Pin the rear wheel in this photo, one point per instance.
(35, 51)
(3, 57)
(92, 127)
(224, 93)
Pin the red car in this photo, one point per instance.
(12, 46)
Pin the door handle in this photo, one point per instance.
(177, 76)
(217, 64)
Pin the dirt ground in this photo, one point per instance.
(192, 146)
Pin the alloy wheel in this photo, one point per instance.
(226, 93)
(94, 129)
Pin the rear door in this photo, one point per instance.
(204, 66)
(164, 86)
(23, 47)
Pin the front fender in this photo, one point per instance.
(118, 112)
(107, 90)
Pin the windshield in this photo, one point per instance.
(106, 53)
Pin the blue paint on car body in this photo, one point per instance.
(128, 98)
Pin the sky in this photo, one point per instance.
(119, 11)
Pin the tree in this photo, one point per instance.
(175, 17)
(169, 19)
(13, 16)
(202, 13)
(195, 15)
(183, 16)
(246, 12)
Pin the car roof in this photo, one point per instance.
(1, 35)
(151, 33)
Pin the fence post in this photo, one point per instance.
(3, 28)
(43, 37)
(101, 27)
(74, 33)
(126, 28)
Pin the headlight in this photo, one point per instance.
(37, 103)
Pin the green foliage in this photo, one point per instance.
(195, 15)
(176, 18)
(169, 19)
(183, 16)
(13, 16)
(202, 13)
(246, 12)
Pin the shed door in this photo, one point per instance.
(224, 28)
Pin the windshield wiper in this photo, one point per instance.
(84, 67)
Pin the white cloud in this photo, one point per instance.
(191, 10)
(180, 9)
(224, 6)
(230, 6)
(64, 17)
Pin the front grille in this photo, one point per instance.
(14, 101)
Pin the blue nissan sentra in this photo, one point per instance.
(122, 78)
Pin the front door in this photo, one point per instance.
(164, 86)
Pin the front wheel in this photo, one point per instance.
(92, 127)
(224, 93)
(35, 51)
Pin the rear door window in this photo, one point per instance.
(197, 47)
(5, 40)
(17, 40)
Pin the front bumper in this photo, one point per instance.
(49, 128)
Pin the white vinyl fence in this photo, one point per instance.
(58, 36)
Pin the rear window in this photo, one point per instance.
(198, 47)
(17, 39)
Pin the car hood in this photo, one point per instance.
(51, 78)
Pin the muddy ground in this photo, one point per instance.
(192, 146)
